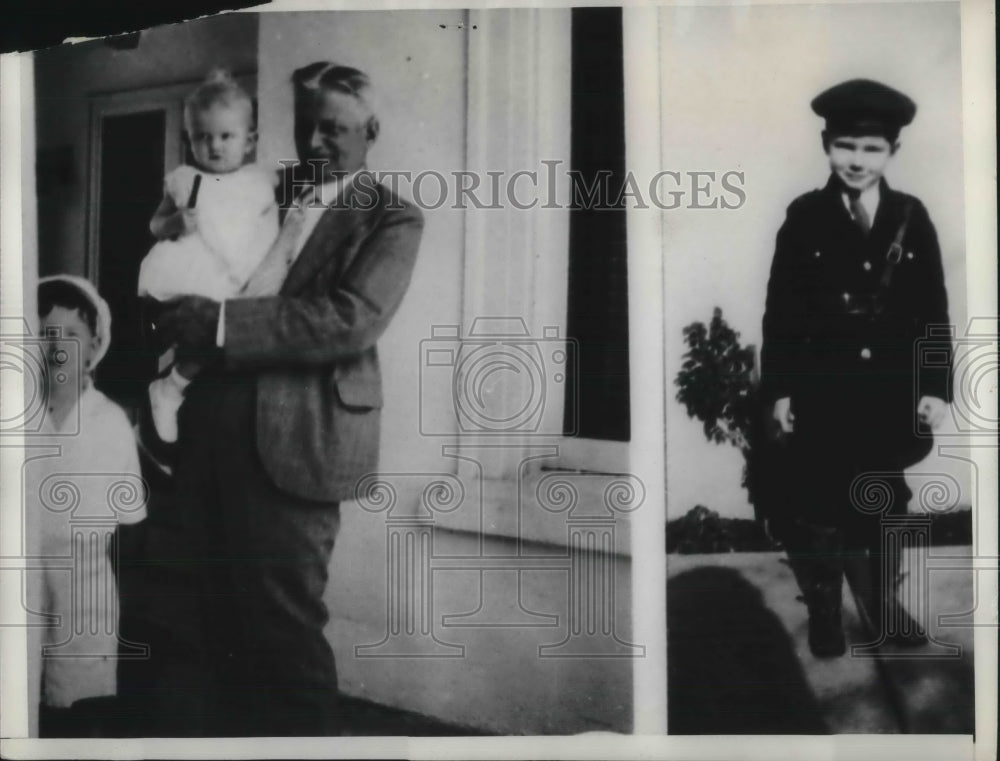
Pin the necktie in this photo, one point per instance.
(858, 213)
(266, 280)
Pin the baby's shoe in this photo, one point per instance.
(155, 425)
(165, 398)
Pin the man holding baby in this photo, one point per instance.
(282, 421)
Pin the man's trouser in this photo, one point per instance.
(263, 557)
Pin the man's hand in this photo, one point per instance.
(783, 415)
(931, 411)
(190, 323)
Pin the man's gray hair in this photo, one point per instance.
(333, 77)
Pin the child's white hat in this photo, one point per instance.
(103, 328)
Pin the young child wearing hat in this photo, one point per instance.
(855, 284)
(83, 488)
(216, 223)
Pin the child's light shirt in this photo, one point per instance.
(237, 223)
(81, 481)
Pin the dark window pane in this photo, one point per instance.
(598, 274)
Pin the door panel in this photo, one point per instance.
(131, 185)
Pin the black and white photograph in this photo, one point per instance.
(820, 487)
(334, 379)
(499, 380)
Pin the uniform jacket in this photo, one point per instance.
(853, 373)
(819, 323)
(311, 349)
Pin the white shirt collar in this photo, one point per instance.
(330, 191)
(327, 194)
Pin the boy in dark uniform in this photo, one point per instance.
(855, 283)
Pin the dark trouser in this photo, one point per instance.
(825, 545)
(263, 556)
(846, 462)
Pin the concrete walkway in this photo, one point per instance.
(739, 661)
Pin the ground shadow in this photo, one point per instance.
(731, 666)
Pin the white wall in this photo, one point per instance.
(419, 62)
(736, 85)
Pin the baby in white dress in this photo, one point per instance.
(215, 224)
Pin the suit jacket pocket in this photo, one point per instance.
(360, 391)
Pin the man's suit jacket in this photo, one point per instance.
(312, 347)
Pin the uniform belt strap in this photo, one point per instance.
(892, 257)
(895, 253)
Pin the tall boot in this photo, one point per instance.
(864, 575)
(815, 554)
